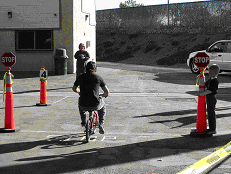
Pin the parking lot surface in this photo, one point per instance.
(148, 122)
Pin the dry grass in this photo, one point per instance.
(152, 49)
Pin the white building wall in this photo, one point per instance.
(73, 30)
(63, 37)
(83, 31)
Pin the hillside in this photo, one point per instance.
(152, 49)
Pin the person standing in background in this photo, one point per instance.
(82, 57)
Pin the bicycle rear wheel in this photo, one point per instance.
(94, 123)
(88, 130)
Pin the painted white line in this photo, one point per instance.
(60, 100)
(92, 138)
(52, 136)
(112, 133)
(58, 132)
(102, 139)
(108, 138)
(142, 136)
(67, 139)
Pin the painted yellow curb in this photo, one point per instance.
(208, 161)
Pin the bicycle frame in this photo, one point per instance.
(92, 122)
(93, 114)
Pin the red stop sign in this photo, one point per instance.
(201, 59)
(8, 59)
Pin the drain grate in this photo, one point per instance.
(182, 99)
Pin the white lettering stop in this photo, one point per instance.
(201, 59)
(8, 59)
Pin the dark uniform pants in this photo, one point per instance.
(101, 111)
(211, 104)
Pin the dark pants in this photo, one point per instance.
(101, 111)
(211, 104)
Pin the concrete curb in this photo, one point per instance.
(210, 162)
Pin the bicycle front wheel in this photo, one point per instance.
(88, 130)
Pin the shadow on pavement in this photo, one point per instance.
(101, 157)
(171, 113)
(183, 121)
(28, 106)
(187, 78)
(56, 142)
(219, 97)
(54, 89)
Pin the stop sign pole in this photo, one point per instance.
(201, 59)
(8, 59)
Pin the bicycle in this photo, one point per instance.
(92, 123)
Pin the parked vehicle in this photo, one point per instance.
(219, 53)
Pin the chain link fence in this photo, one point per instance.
(194, 17)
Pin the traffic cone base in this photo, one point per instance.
(3, 130)
(39, 104)
(194, 133)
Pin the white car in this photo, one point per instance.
(219, 53)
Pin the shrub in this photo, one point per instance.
(171, 60)
(175, 43)
(129, 48)
(179, 57)
(108, 44)
(132, 36)
(137, 48)
(122, 43)
(112, 34)
(108, 51)
(151, 46)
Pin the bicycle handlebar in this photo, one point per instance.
(101, 95)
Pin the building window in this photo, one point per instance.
(87, 44)
(36, 40)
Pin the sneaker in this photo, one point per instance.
(209, 131)
(101, 129)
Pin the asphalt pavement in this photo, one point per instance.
(149, 119)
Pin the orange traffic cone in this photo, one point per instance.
(201, 125)
(9, 104)
(43, 91)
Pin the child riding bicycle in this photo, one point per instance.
(90, 99)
